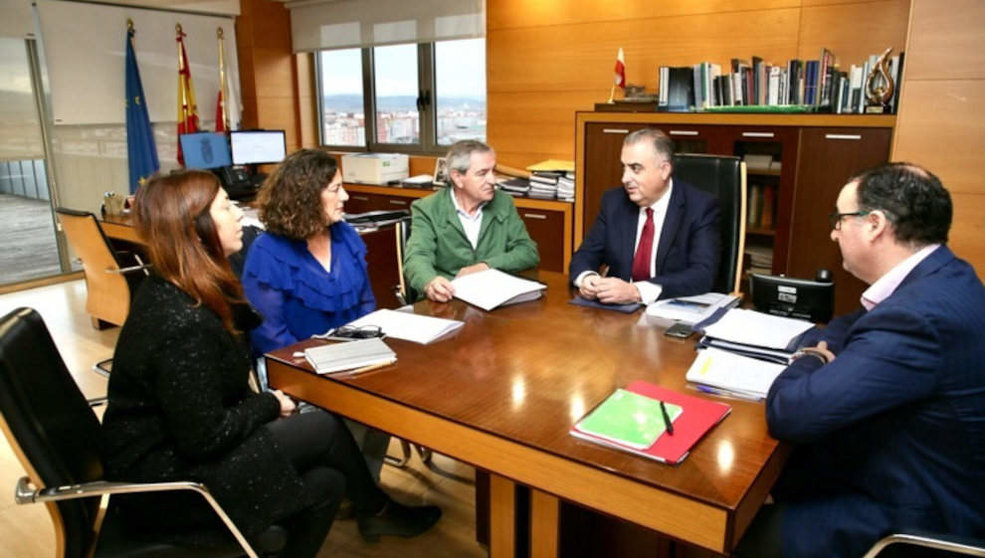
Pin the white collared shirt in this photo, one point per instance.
(649, 292)
(886, 285)
(472, 224)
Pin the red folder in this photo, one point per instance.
(697, 418)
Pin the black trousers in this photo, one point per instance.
(330, 464)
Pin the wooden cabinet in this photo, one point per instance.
(829, 157)
(812, 157)
(550, 223)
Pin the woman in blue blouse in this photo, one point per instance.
(307, 273)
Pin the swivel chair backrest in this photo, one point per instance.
(49, 424)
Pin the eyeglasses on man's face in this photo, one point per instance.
(836, 218)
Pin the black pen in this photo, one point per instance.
(668, 426)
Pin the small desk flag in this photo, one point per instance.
(620, 76)
(187, 108)
(141, 151)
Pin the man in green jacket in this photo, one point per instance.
(468, 228)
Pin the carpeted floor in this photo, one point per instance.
(27, 239)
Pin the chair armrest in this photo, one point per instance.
(946, 543)
(130, 269)
(25, 493)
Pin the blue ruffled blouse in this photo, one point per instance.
(294, 293)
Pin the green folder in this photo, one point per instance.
(629, 419)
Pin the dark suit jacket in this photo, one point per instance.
(891, 433)
(690, 241)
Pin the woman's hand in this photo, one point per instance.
(287, 406)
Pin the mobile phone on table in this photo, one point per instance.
(679, 331)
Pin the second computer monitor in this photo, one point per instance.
(205, 150)
(258, 147)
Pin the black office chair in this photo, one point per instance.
(725, 178)
(901, 544)
(55, 434)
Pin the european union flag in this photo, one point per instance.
(141, 151)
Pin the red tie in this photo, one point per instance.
(641, 261)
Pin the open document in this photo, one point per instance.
(757, 329)
(408, 326)
(492, 288)
(743, 376)
(691, 309)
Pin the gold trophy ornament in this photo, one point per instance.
(879, 85)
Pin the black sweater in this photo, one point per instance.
(180, 409)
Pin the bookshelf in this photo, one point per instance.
(810, 158)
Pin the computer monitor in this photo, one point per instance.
(795, 298)
(205, 150)
(256, 147)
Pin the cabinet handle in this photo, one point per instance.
(534, 216)
(360, 198)
(758, 134)
(683, 133)
(614, 131)
(398, 202)
(855, 137)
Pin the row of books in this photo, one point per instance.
(761, 206)
(759, 259)
(818, 84)
(549, 180)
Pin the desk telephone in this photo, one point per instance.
(234, 178)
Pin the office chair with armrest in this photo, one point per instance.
(938, 546)
(111, 276)
(725, 178)
(402, 290)
(55, 435)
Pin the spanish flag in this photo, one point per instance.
(221, 115)
(187, 109)
(141, 151)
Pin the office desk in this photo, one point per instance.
(502, 393)
(381, 255)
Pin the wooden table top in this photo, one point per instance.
(528, 372)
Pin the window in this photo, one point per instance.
(421, 98)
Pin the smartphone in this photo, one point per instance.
(679, 331)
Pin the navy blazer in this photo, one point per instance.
(690, 241)
(891, 434)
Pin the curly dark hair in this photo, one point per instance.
(290, 200)
(913, 199)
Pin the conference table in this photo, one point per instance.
(503, 391)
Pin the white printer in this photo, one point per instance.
(374, 168)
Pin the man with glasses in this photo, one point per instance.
(887, 411)
(658, 236)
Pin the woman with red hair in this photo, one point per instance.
(180, 407)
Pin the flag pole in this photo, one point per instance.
(612, 94)
(222, 118)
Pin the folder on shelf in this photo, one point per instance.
(696, 417)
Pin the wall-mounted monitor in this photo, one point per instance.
(205, 150)
(257, 147)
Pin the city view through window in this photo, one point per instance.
(459, 96)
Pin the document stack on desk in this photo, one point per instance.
(352, 356)
(743, 352)
(691, 309)
(492, 288)
(408, 326)
(650, 421)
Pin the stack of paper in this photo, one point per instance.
(492, 288)
(350, 355)
(691, 309)
(755, 334)
(408, 326)
(745, 377)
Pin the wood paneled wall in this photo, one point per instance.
(268, 69)
(941, 124)
(550, 58)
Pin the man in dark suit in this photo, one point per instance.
(887, 411)
(658, 236)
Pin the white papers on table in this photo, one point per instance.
(757, 329)
(407, 326)
(491, 288)
(741, 375)
(690, 309)
(349, 355)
